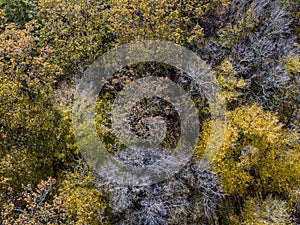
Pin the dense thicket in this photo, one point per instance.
(253, 49)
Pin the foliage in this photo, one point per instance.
(253, 49)
(230, 83)
(76, 31)
(258, 155)
(81, 201)
(32, 206)
(19, 11)
(268, 211)
(34, 134)
(76, 202)
(258, 37)
(177, 21)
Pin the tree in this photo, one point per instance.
(253, 49)
(75, 200)
(34, 134)
(76, 31)
(193, 195)
(258, 157)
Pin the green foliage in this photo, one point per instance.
(233, 33)
(19, 11)
(76, 30)
(35, 136)
(176, 21)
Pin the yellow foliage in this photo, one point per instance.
(258, 155)
(33, 133)
(233, 32)
(81, 201)
(78, 202)
(76, 30)
(164, 20)
(227, 79)
(269, 211)
(292, 64)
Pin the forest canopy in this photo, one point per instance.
(252, 47)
